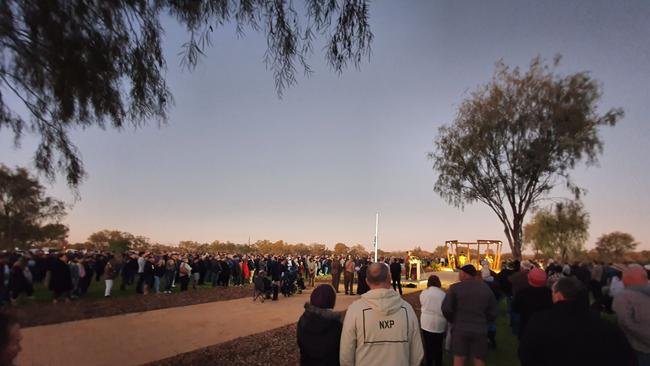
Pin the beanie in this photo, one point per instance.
(469, 269)
(323, 297)
(537, 277)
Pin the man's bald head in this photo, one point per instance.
(378, 275)
(635, 275)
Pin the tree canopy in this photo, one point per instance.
(27, 215)
(558, 233)
(614, 246)
(515, 138)
(76, 63)
(117, 241)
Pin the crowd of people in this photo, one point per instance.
(554, 310)
(68, 275)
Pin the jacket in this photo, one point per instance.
(568, 335)
(319, 336)
(336, 266)
(395, 271)
(632, 307)
(529, 301)
(381, 329)
(470, 306)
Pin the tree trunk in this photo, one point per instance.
(515, 237)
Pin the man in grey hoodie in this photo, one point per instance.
(380, 328)
(632, 307)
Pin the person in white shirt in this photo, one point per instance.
(432, 321)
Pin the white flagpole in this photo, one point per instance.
(376, 234)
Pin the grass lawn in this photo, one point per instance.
(96, 291)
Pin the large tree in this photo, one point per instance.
(117, 241)
(515, 138)
(613, 246)
(27, 214)
(560, 232)
(78, 63)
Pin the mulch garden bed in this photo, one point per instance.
(275, 347)
(30, 315)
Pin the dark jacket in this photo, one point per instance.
(395, 271)
(519, 281)
(60, 280)
(319, 336)
(362, 286)
(568, 334)
(470, 306)
(504, 281)
(529, 301)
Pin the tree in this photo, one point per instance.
(78, 63)
(112, 240)
(440, 251)
(25, 210)
(341, 249)
(53, 233)
(561, 232)
(516, 137)
(318, 249)
(358, 250)
(614, 246)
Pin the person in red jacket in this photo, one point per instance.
(246, 272)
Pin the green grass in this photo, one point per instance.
(96, 291)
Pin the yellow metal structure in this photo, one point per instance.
(462, 253)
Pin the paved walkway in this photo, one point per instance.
(137, 338)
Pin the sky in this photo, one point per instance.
(237, 162)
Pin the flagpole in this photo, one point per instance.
(376, 234)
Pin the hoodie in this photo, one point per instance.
(632, 307)
(381, 329)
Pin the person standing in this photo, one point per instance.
(380, 328)
(632, 307)
(348, 276)
(362, 285)
(60, 279)
(148, 274)
(336, 273)
(10, 338)
(312, 268)
(141, 262)
(569, 334)
(158, 275)
(533, 299)
(396, 274)
(432, 321)
(469, 306)
(170, 274)
(319, 329)
(184, 273)
(110, 273)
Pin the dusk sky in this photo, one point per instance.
(235, 161)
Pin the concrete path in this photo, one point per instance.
(137, 338)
